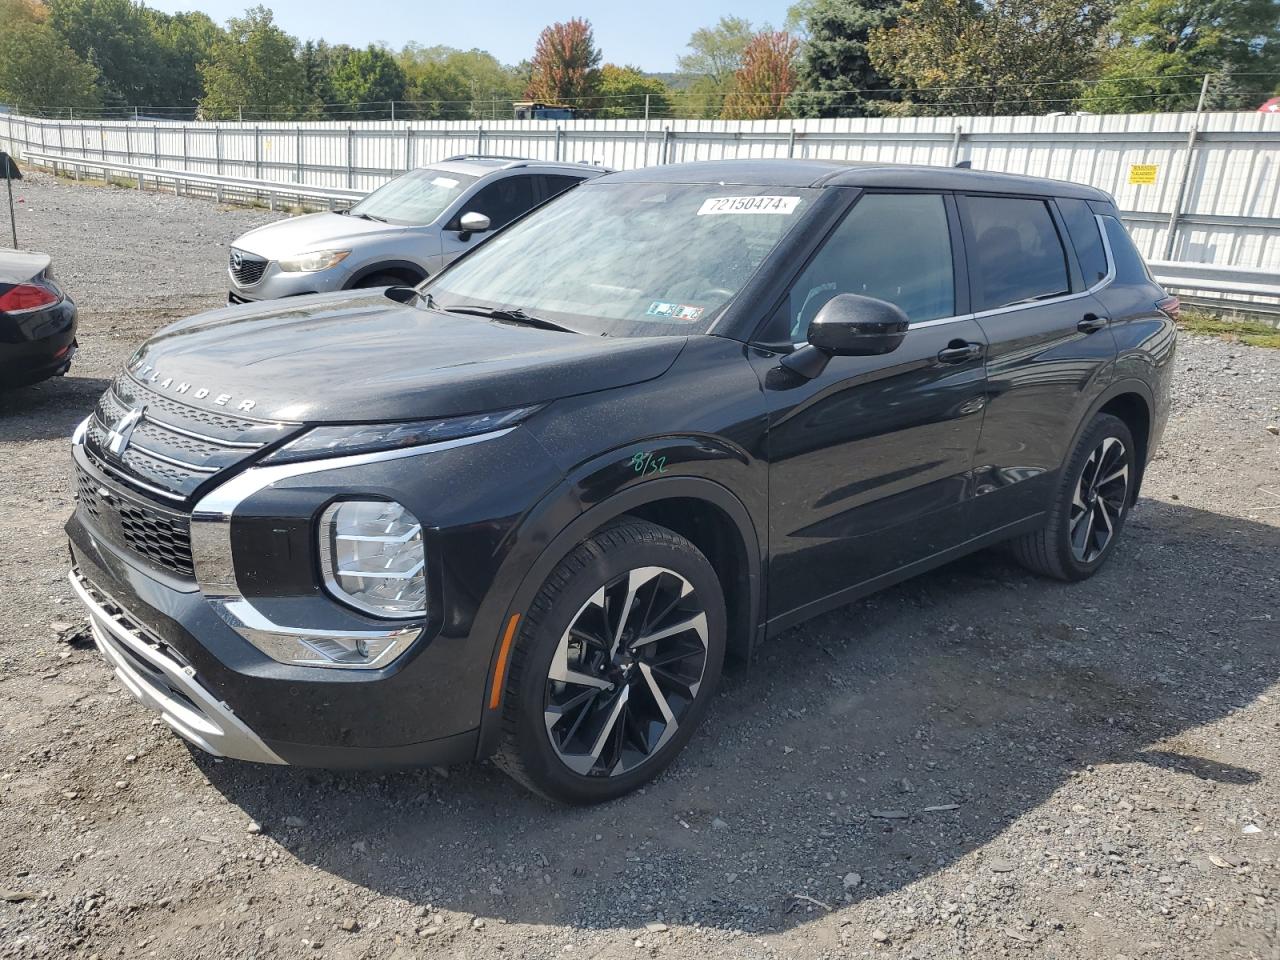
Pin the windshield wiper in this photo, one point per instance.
(509, 315)
(368, 216)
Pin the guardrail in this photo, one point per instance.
(186, 182)
(1234, 288)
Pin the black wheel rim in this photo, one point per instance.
(626, 672)
(1102, 492)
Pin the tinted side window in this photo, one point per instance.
(1083, 228)
(894, 247)
(1015, 253)
(1130, 267)
(503, 200)
(554, 183)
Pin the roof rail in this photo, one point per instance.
(483, 156)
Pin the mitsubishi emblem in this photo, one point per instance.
(120, 432)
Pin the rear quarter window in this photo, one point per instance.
(1130, 267)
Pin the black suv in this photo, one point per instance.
(525, 510)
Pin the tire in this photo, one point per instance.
(575, 759)
(382, 280)
(1067, 547)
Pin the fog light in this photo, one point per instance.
(372, 557)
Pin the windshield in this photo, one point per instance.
(628, 259)
(415, 199)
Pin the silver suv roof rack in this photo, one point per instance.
(516, 161)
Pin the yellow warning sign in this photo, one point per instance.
(1142, 172)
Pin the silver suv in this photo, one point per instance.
(402, 233)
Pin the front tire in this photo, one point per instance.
(1089, 508)
(614, 666)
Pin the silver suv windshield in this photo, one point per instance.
(414, 199)
(627, 259)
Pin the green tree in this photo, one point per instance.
(254, 66)
(39, 72)
(990, 57)
(623, 91)
(459, 84)
(766, 78)
(715, 55)
(365, 81)
(1168, 45)
(317, 63)
(116, 37)
(566, 64)
(834, 58)
(186, 41)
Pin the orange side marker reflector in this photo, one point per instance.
(495, 696)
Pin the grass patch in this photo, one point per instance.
(1230, 328)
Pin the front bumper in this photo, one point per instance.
(151, 671)
(275, 284)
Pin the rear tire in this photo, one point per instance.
(1089, 508)
(614, 666)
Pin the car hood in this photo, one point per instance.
(359, 356)
(315, 231)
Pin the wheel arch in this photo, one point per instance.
(1131, 401)
(704, 512)
(406, 270)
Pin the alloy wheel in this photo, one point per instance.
(1099, 501)
(626, 672)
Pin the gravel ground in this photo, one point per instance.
(975, 763)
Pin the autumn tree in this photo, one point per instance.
(989, 57)
(566, 64)
(834, 67)
(766, 78)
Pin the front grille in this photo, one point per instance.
(246, 268)
(165, 455)
(174, 449)
(156, 534)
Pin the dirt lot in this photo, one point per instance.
(976, 763)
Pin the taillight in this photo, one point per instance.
(26, 297)
(1170, 306)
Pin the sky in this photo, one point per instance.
(649, 34)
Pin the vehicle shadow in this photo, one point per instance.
(48, 410)
(978, 685)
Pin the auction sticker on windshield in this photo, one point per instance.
(674, 311)
(719, 205)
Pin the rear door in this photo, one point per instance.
(870, 461)
(554, 184)
(1050, 345)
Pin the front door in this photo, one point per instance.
(871, 461)
(500, 200)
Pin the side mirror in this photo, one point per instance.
(849, 325)
(473, 222)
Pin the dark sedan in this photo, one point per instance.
(37, 321)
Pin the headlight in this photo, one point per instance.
(372, 558)
(363, 438)
(314, 261)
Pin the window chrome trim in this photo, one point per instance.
(215, 570)
(1011, 308)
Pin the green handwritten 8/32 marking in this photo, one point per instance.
(646, 464)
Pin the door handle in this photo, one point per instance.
(1091, 323)
(959, 351)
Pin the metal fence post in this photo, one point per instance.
(155, 145)
(1185, 175)
(102, 141)
(408, 148)
(128, 142)
(297, 150)
(186, 152)
(667, 139)
(217, 150)
(954, 157)
(791, 143)
(257, 153)
(480, 140)
(559, 138)
(351, 159)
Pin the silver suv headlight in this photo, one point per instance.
(372, 557)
